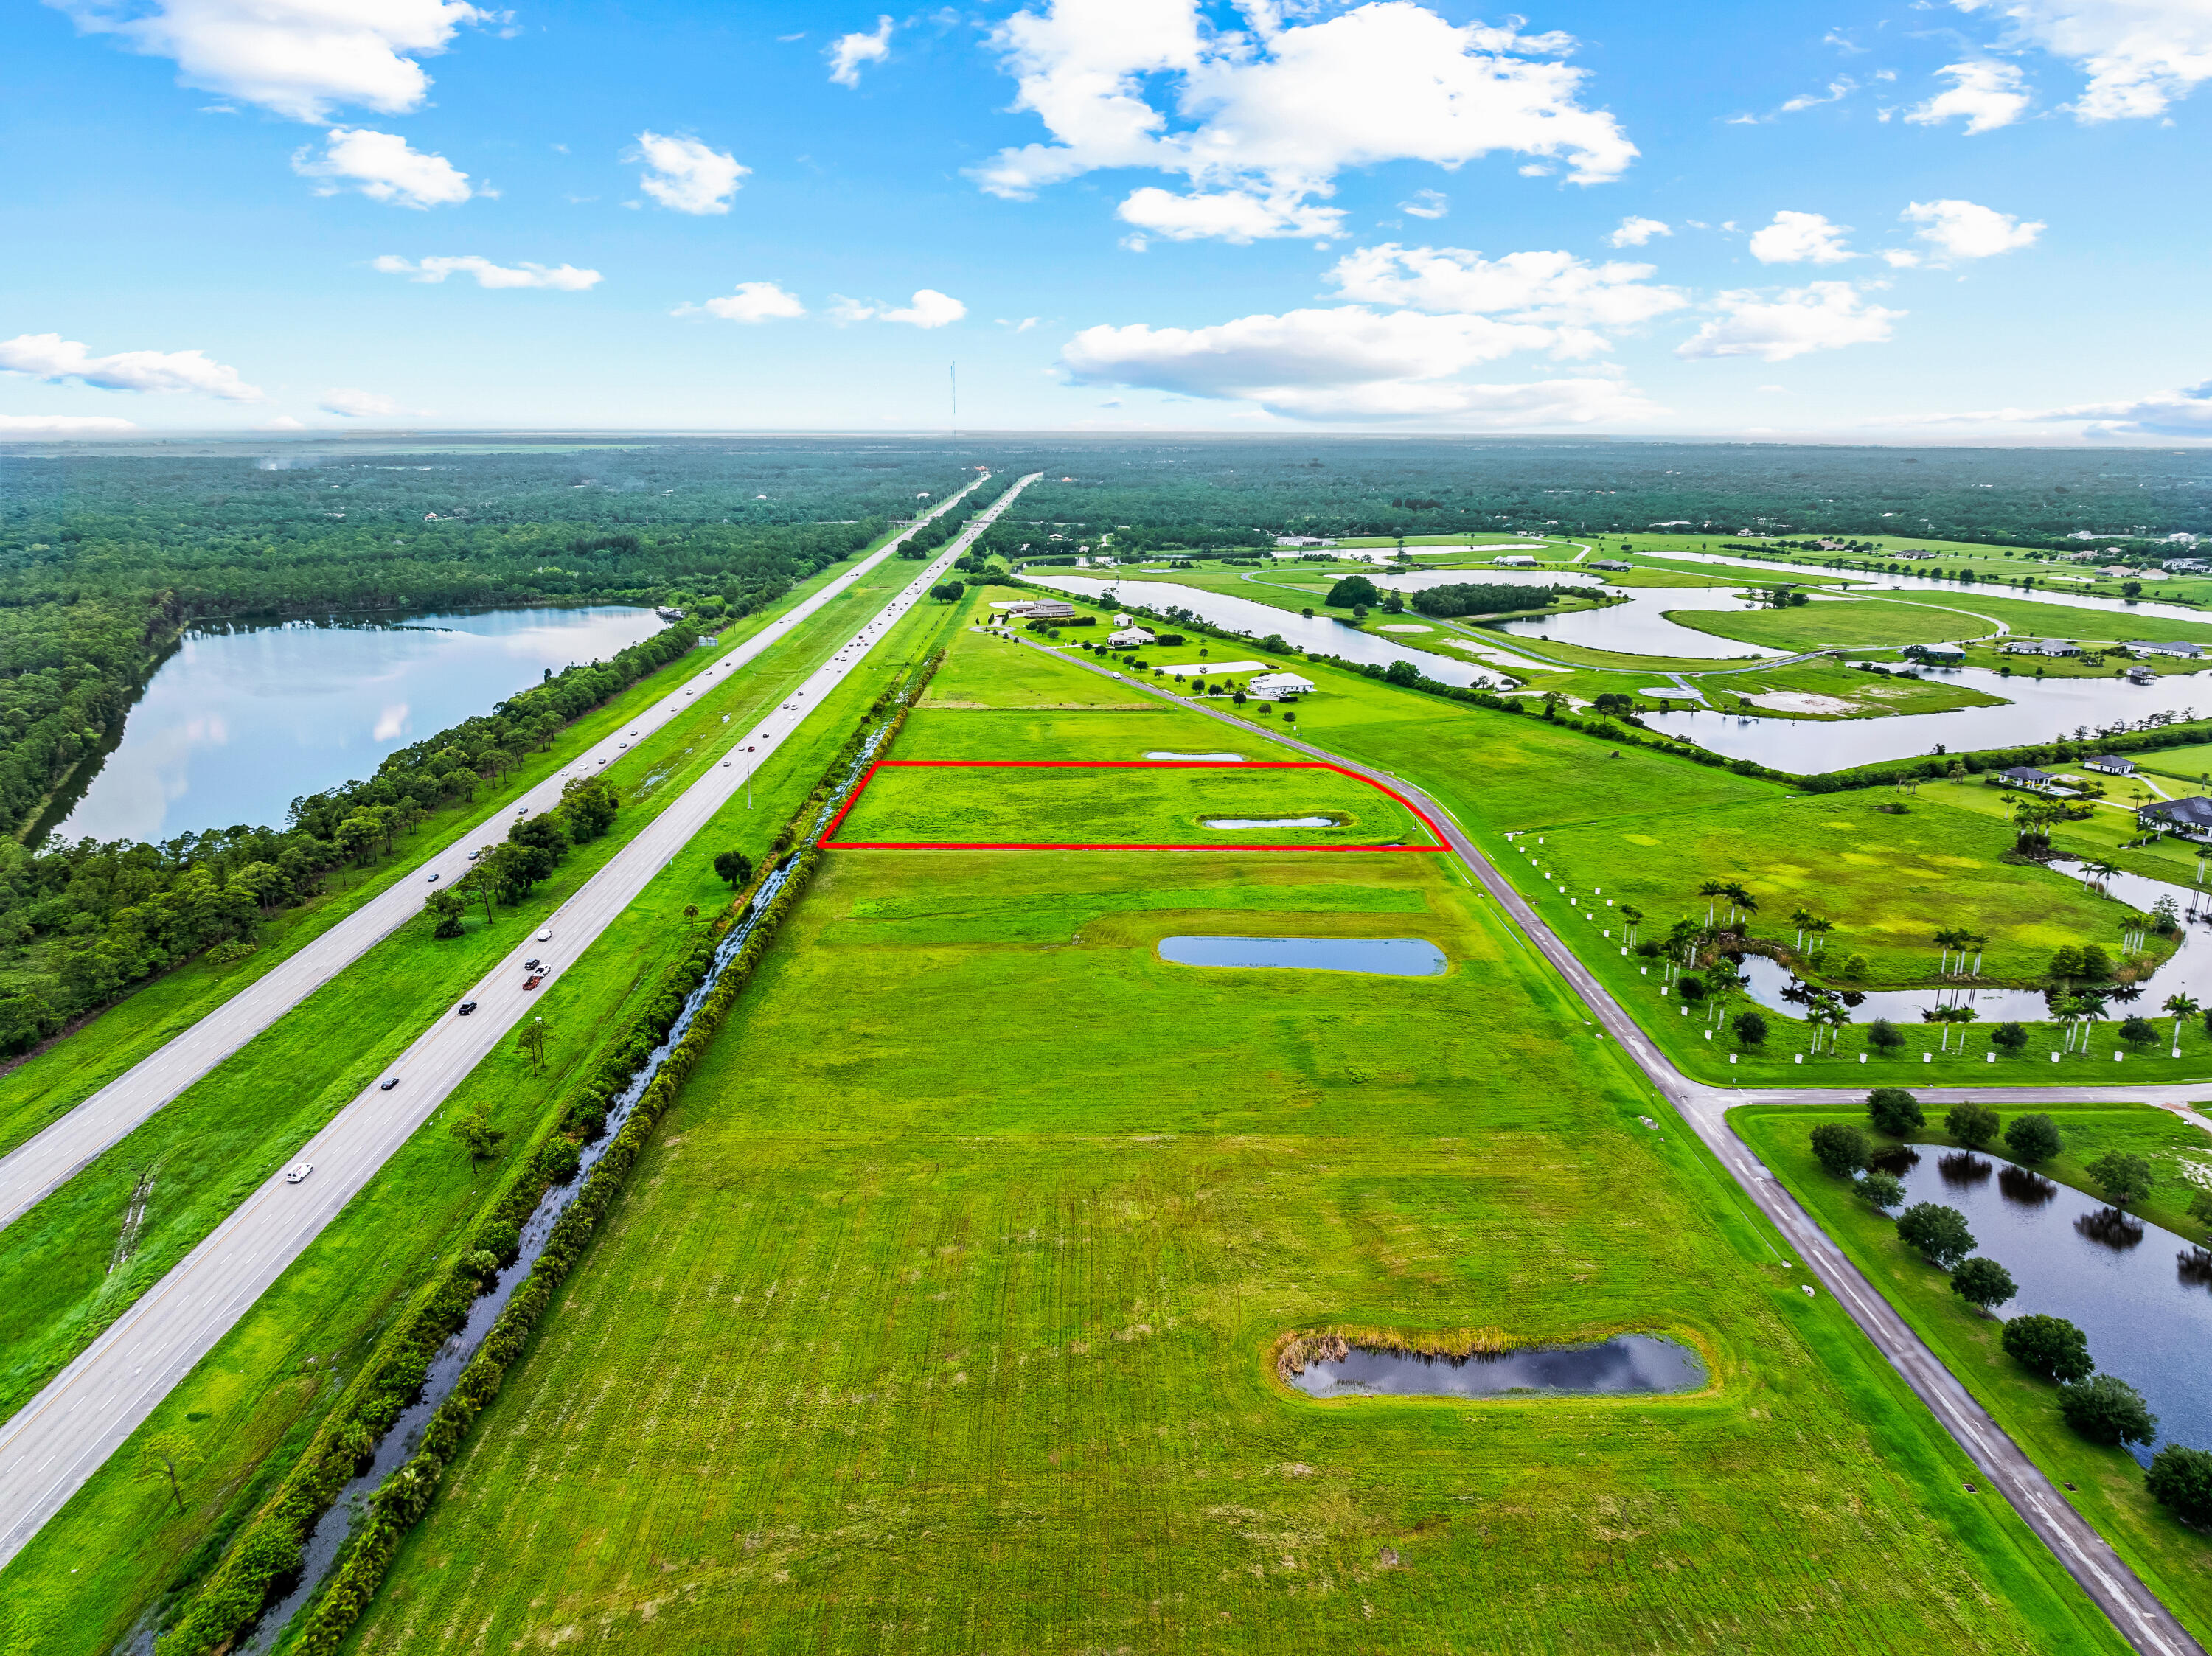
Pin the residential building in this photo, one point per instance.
(1274, 687)
(2111, 764)
(1516, 560)
(1941, 655)
(2023, 776)
(1129, 638)
(2144, 646)
(2143, 675)
(1044, 609)
(2042, 647)
(2191, 816)
(2117, 572)
(1608, 563)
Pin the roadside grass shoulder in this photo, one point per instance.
(2107, 1483)
(120, 1550)
(65, 1073)
(1029, 1295)
(65, 1272)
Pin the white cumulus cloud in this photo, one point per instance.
(1275, 110)
(356, 404)
(1426, 204)
(1234, 216)
(928, 309)
(2187, 413)
(1553, 288)
(1987, 94)
(1635, 231)
(382, 167)
(1800, 239)
(2141, 56)
(1821, 316)
(686, 175)
(1960, 229)
(66, 425)
(50, 357)
(567, 278)
(848, 52)
(302, 58)
(1348, 363)
(753, 301)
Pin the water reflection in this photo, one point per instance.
(1397, 957)
(1629, 1362)
(2194, 1266)
(1963, 1169)
(1899, 1159)
(2148, 1321)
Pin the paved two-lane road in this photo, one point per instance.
(34, 1170)
(56, 1441)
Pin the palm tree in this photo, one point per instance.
(1948, 940)
(1979, 943)
(1710, 889)
(1800, 919)
(1962, 1015)
(2182, 1008)
(1831, 1017)
(1819, 929)
(2094, 874)
(1635, 917)
(1740, 899)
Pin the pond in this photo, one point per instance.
(1320, 635)
(242, 719)
(1169, 753)
(2039, 710)
(1397, 957)
(1625, 1364)
(2138, 1291)
(1270, 821)
(1638, 626)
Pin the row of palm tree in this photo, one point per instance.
(1965, 942)
(1810, 925)
(1739, 900)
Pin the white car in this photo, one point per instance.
(298, 1171)
(433, 874)
(546, 936)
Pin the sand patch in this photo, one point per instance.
(1801, 701)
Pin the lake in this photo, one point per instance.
(242, 719)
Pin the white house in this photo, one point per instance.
(1274, 687)
(2144, 646)
(1516, 560)
(1129, 638)
(2111, 764)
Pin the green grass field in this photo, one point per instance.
(1010, 805)
(118, 1545)
(2175, 1561)
(918, 1343)
(2189, 764)
(1836, 623)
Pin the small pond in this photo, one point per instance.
(1217, 758)
(1270, 821)
(2139, 1292)
(1627, 1363)
(242, 719)
(1397, 957)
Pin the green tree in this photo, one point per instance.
(2180, 1480)
(2066, 964)
(2032, 1138)
(531, 1042)
(2105, 1408)
(477, 1135)
(2121, 1177)
(2050, 1346)
(1750, 1028)
(167, 1458)
(449, 904)
(2138, 1032)
(1884, 1034)
(1841, 1148)
(2200, 1207)
(1894, 1111)
(1983, 1283)
(1884, 1190)
(1939, 1233)
(1972, 1125)
(734, 866)
(2096, 964)
(1353, 590)
(2010, 1036)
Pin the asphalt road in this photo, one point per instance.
(59, 1439)
(40, 1165)
(2142, 1619)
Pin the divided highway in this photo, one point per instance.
(2135, 1609)
(60, 1437)
(40, 1165)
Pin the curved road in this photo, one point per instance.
(56, 1441)
(40, 1165)
(2146, 1624)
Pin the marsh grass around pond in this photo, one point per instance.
(2108, 1486)
(1026, 1308)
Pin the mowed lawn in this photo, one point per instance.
(1142, 804)
(938, 1319)
(1835, 623)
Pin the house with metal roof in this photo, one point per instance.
(2111, 763)
(2146, 646)
(2023, 776)
(2191, 816)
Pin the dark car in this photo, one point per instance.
(533, 981)
(531, 965)
(465, 1008)
(389, 1084)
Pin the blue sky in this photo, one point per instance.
(1950, 219)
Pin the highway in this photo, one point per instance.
(40, 1165)
(2142, 1619)
(59, 1438)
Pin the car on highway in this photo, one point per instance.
(546, 936)
(388, 1083)
(531, 964)
(465, 1008)
(298, 1171)
(433, 874)
(533, 981)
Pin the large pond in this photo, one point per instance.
(1638, 626)
(2139, 1292)
(1628, 1362)
(1397, 957)
(243, 719)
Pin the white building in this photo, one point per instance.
(1129, 638)
(1274, 687)
(1516, 560)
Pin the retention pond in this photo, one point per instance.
(2142, 1294)
(1625, 1364)
(1396, 957)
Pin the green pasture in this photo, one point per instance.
(119, 1546)
(906, 1343)
(1870, 695)
(62, 1074)
(2106, 1484)
(2189, 764)
(1835, 623)
(1019, 805)
(61, 1279)
(2107, 834)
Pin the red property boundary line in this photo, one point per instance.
(830, 842)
